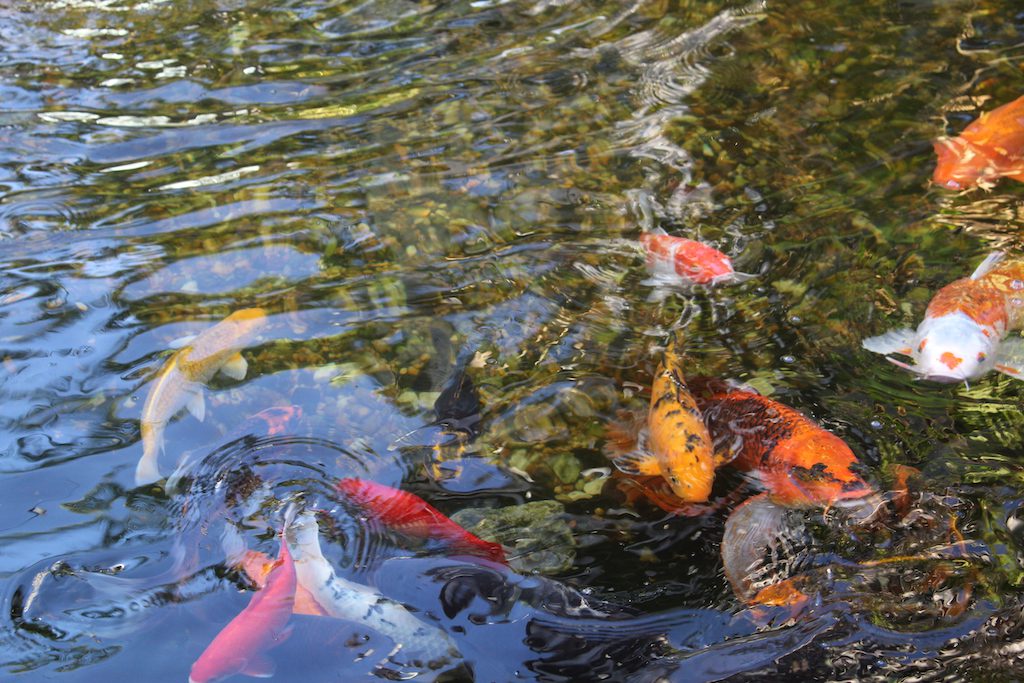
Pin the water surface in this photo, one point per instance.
(415, 189)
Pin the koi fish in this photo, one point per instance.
(800, 465)
(180, 382)
(680, 261)
(258, 566)
(240, 647)
(416, 643)
(674, 444)
(963, 332)
(408, 513)
(989, 148)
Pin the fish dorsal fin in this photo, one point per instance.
(235, 367)
(990, 262)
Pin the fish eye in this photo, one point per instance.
(981, 356)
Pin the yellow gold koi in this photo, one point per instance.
(180, 382)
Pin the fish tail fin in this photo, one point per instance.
(706, 386)
(147, 470)
(735, 277)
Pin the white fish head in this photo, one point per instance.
(953, 348)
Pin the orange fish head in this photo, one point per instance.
(816, 468)
(961, 164)
(691, 483)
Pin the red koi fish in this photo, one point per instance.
(963, 334)
(258, 566)
(990, 148)
(680, 261)
(278, 420)
(240, 647)
(409, 514)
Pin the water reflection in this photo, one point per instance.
(434, 196)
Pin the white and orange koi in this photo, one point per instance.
(241, 646)
(180, 382)
(678, 262)
(963, 334)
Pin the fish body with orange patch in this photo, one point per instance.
(680, 261)
(991, 147)
(240, 647)
(673, 443)
(964, 331)
(409, 514)
(799, 463)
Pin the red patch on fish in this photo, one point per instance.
(409, 514)
(691, 260)
(990, 148)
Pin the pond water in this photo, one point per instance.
(433, 195)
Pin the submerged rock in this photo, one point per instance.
(536, 535)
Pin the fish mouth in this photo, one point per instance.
(945, 379)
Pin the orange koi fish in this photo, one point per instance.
(241, 645)
(180, 382)
(674, 443)
(679, 261)
(409, 514)
(800, 465)
(963, 334)
(990, 148)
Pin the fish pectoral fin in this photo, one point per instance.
(182, 342)
(990, 262)
(259, 666)
(894, 341)
(1010, 357)
(637, 462)
(235, 367)
(197, 404)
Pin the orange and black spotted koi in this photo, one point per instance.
(672, 442)
(799, 463)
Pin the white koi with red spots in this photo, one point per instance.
(963, 334)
